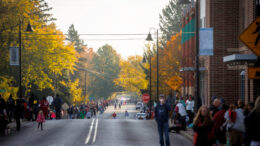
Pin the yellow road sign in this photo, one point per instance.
(254, 72)
(251, 36)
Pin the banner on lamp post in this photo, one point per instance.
(14, 56)
(206, 42)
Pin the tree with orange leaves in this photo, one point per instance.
(169, 66)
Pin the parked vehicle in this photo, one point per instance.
(139, 106)
(141, 116)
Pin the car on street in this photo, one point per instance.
(140, 116)
(139, 105)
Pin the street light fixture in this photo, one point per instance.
(197, 71)
(28, 29)
(149, 38)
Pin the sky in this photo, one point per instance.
(110, 17)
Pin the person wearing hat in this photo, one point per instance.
(161, 116)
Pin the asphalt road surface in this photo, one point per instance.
(98, 131)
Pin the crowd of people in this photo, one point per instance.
(239, 123)
(35, 109)
(217, 125)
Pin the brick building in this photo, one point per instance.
(225, 73)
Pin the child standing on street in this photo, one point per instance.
(40, 119)
(53, 115)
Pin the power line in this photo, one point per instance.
(108, 39)
(101, 34)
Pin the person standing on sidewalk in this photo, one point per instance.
(3, 116)
(10, 107)
(252, 125)
(70, 112)
(235, 122)
(215, 107)
(180, 109)
(190, 108)
(19, 109)
(218, 129)
(34, 106)
(202, 127)
(161, 116)
(57, 104)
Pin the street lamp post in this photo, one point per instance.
(197, 71)
(85, 91)
(28, 29)
(149, 38)
(150, 82)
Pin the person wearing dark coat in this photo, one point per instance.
(57, 105)
(3, 116)
(162, 116)
(10, 107)
(34, 106)
(252, 125)
(203, 128)
(18, 112)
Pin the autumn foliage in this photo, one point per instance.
(169, 67)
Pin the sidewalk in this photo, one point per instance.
(24, 123)
(188, 133)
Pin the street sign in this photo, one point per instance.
(146, 97)
(251, 36)
(254, 72)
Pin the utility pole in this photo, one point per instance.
(85, 90)
(20, 59)
(157, 44)
(197, 59)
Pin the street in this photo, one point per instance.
(99, 131)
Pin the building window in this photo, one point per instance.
(257, 8)
(242, 85)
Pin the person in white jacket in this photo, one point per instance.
(190, 108)
(180, 109)
(235, 125)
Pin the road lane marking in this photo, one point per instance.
(90, 131)
(95, 133)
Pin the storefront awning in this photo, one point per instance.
(240, 57)
(191, 69)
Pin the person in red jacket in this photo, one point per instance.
(219, 130)
(40, 119)
(114, 115)
(44, 105)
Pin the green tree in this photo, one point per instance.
(106, 64)
(74, 38)
(44, 57)
(170, 20)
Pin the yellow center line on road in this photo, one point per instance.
(90, 131)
